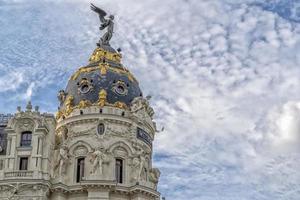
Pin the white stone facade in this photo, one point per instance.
(94, 153)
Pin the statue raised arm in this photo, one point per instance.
(105, 23)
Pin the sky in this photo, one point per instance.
(224, 78)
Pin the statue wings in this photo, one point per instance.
(100, 12)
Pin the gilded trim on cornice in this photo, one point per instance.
(103, 67)
(100, 54)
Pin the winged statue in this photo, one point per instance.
(105, 23)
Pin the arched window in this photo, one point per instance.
(119, 170)
(26, 139)
(80, 169)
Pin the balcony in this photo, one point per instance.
(18, 174)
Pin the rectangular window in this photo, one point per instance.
(23, 163)
(119, 171)
(80, 169)
(26, 139)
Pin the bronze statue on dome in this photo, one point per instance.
(105, 23)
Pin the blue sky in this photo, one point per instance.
(224, 76)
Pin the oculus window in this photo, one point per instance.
(101, 129)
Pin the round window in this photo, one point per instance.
(101, 129)
(84, 88)
(120, 89)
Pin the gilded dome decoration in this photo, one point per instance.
(102, 98)
(100, 54)
(104, 81)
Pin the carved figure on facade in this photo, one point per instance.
(98, 158)
(140, 103)
(73, 133)
(136, 169)
(154, 175)
(63, 160)
(140, 166)
(119, 132)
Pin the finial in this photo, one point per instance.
(61, 96)
(105, 23)
(36, 108)
(29, 106)
(19, 109)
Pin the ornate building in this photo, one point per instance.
(99, 145)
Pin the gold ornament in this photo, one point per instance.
(103, 68)
(59, 114)
(69, 105)
(101, 54)
(119, 104)
(82, 70)
(102, 98)
(84, 103)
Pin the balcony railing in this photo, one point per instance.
(18, 174)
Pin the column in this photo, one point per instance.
(12, 155)
(8, 152)
(40, 153)
(34, 152)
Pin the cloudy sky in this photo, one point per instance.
(224, 76)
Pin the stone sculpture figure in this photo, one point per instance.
(154, 175)
(63, 160)
(140, 103)
(105, 23)
(97, 160)
(143, 173)
(137, 104)
(136, 169)
(139, 166)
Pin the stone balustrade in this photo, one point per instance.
(18, 174)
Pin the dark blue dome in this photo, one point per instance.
(104, 75)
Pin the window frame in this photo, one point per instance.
(26, 142)
(79, 175)
(120, 179)
(21, 163)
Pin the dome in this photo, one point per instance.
(104, 81)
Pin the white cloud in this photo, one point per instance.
(285, 125)
(216, 70)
